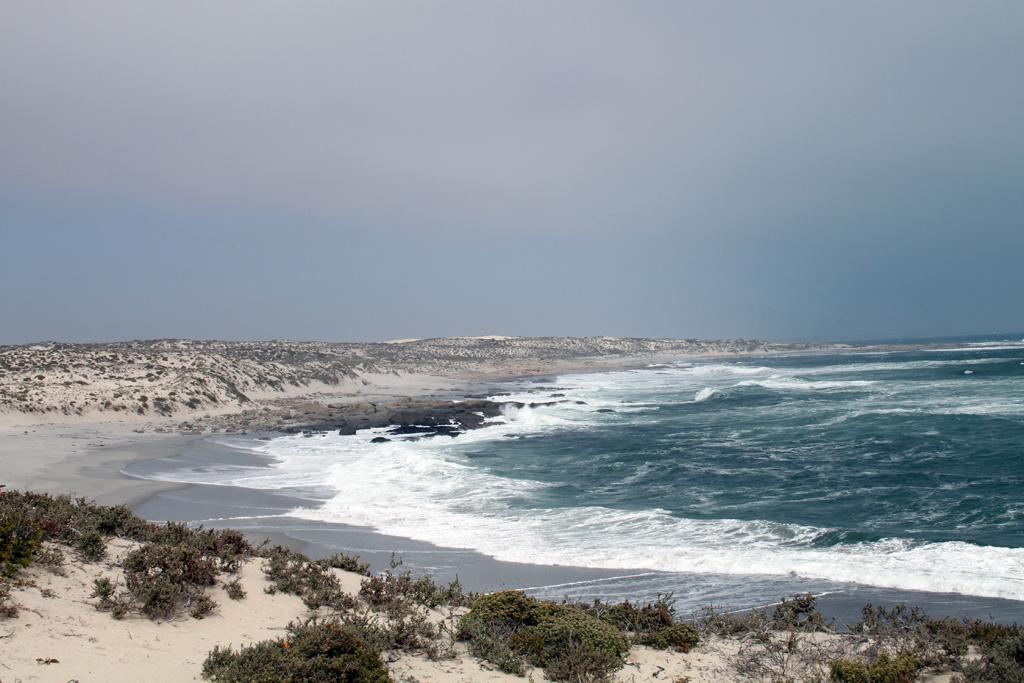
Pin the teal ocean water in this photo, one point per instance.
(742, 478)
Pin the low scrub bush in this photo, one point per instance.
(884, 669)
(91, 544)
(200, 604)
(410, 631)
(163, 579)
(399, 615)
(799, 613)
(7, 608)
(67, 520)
(682, 637)
(935, 643)
(348, 563)
(780, 645)
(314, 652)
(510, 629)
(392, 589)
(642, 618)
(19, 540)
(50, 557)
(167, 574)
(234, 589)
(713, 621)
(226, 547)
(294, 573)
(1002, 662)
(652, 624)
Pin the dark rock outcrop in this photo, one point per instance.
(422, 417)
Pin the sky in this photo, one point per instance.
(369, 170)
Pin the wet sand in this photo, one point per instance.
(85, 459)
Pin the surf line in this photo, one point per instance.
(590, 581)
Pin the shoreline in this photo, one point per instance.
(261, 514)
(88, 458)
(480, 572)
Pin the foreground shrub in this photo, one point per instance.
(294, 573)
(234, 589)
(779, 646)
(164, 579)
(652, 624)
(884, 669)
(313, 652)
(67, 520)
(399, 612)
(50, 557)
(348, 563)
(510, 629)
(394, 590)
(682, 637)
(7, 608)
(1003, 662)
(936, 643)
(226, 547)
(91, 545)
(799, 613)
(19, 540)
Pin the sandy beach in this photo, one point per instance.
(59, 635)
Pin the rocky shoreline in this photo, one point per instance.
(416, 417)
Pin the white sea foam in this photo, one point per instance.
(985, 346)
(704, 394)
(790, 383)
(425, 490)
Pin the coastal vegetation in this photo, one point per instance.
(176, 377)
(169, 571)
(327, 651)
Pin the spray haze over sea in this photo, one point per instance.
(730, 481)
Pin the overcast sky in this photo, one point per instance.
(373, 170)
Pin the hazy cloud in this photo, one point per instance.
(375, 169)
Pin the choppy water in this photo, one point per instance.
(901, 470)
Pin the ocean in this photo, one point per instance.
(728, 482)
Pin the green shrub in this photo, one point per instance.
(510, 628)
(294, 573)
(799, 613)
(849, 671)
(409, 630)
(652, 624)
(986, 634)
(92, 545)
(103, 588)
(65, 520)
(393, 590)
(1003, 662)
(7, 608)
(50, 557)
(349, 563)
(643, 618)
(227, 547)
(163, 578)
(200, 604)
(682, 637)
(234, 589)
(314, 653)
(19, 540)
(884, 669)
(714, 621)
